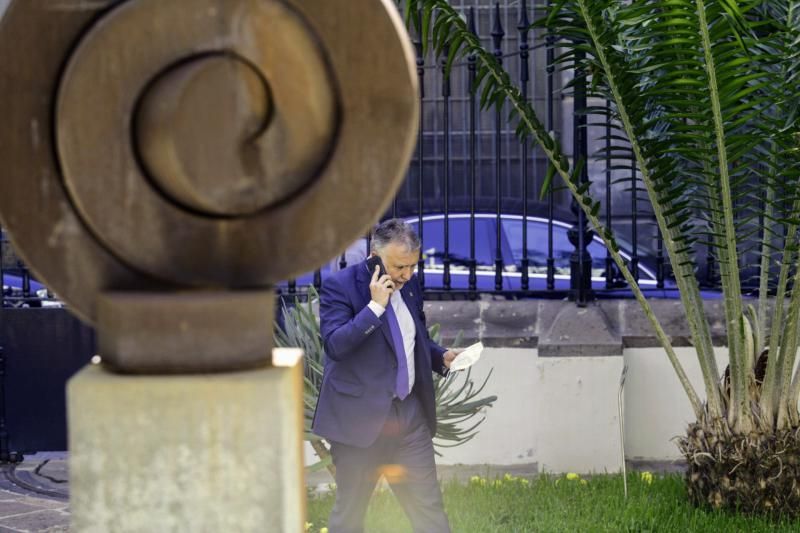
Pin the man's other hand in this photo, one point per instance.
(449, 355)
(381, 288)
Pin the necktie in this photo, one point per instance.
(401, 388)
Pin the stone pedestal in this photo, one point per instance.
(194, 453)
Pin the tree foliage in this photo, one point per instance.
(704, 98)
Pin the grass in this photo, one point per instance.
(555, 504)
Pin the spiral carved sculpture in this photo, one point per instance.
(168, 157)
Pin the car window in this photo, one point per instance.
(537, 245)
(562, 248)
(433, 243)
(598, 252)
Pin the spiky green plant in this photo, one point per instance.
(703, 99)
(458, 400)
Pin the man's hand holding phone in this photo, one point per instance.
(381, 286)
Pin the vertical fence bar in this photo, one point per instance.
(580, 261)
(317, 279)
(660, 264)
(609, 261)
(446, 161)
(26, 279)
(524, 76)
(551, 270)
(711, 270)
(420, 148)
(3, 245)
(634, 222)
(497, 37)
(4, 450)
(472, 67)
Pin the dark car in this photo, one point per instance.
(21, 290)
(511, 246)
(433, 253)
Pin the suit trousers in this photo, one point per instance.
(403, 454)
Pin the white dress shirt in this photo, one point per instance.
(407, 328)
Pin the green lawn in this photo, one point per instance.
(553, 504)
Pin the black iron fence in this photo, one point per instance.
(20, 288)
(473, 189)
(41, 349)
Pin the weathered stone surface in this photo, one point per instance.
(456, 318)
(601, 328)
(42, 520)
(201, 453)
(122, 214)
(184, 332)
(579, 331)
(512, 324)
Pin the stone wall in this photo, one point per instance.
(556, 371)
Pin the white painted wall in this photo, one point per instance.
(579, 429)
(656, 406)
(558, 412)
(508, 434)
(561, 412)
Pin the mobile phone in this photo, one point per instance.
(372, 262)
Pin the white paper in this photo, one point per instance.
(468, 357)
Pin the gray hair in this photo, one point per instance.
(396, 231)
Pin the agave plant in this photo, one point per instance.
(703, 99)
(457, 396)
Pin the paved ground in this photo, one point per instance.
(34, 494)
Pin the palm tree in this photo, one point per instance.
(704, 99)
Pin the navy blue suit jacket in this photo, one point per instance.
(360, 362)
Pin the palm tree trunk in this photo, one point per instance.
(788, 353)
(739, 409)
(772, 378)
(763, 280)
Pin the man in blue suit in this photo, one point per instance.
(376, 405)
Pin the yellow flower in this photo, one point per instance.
(647, 477)
(309, 525)
(584, 482)
(497, 483)
(525, 481)
(509, 477)
(572, 476)
(323, 530)
(483, 482)
(475, 479)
